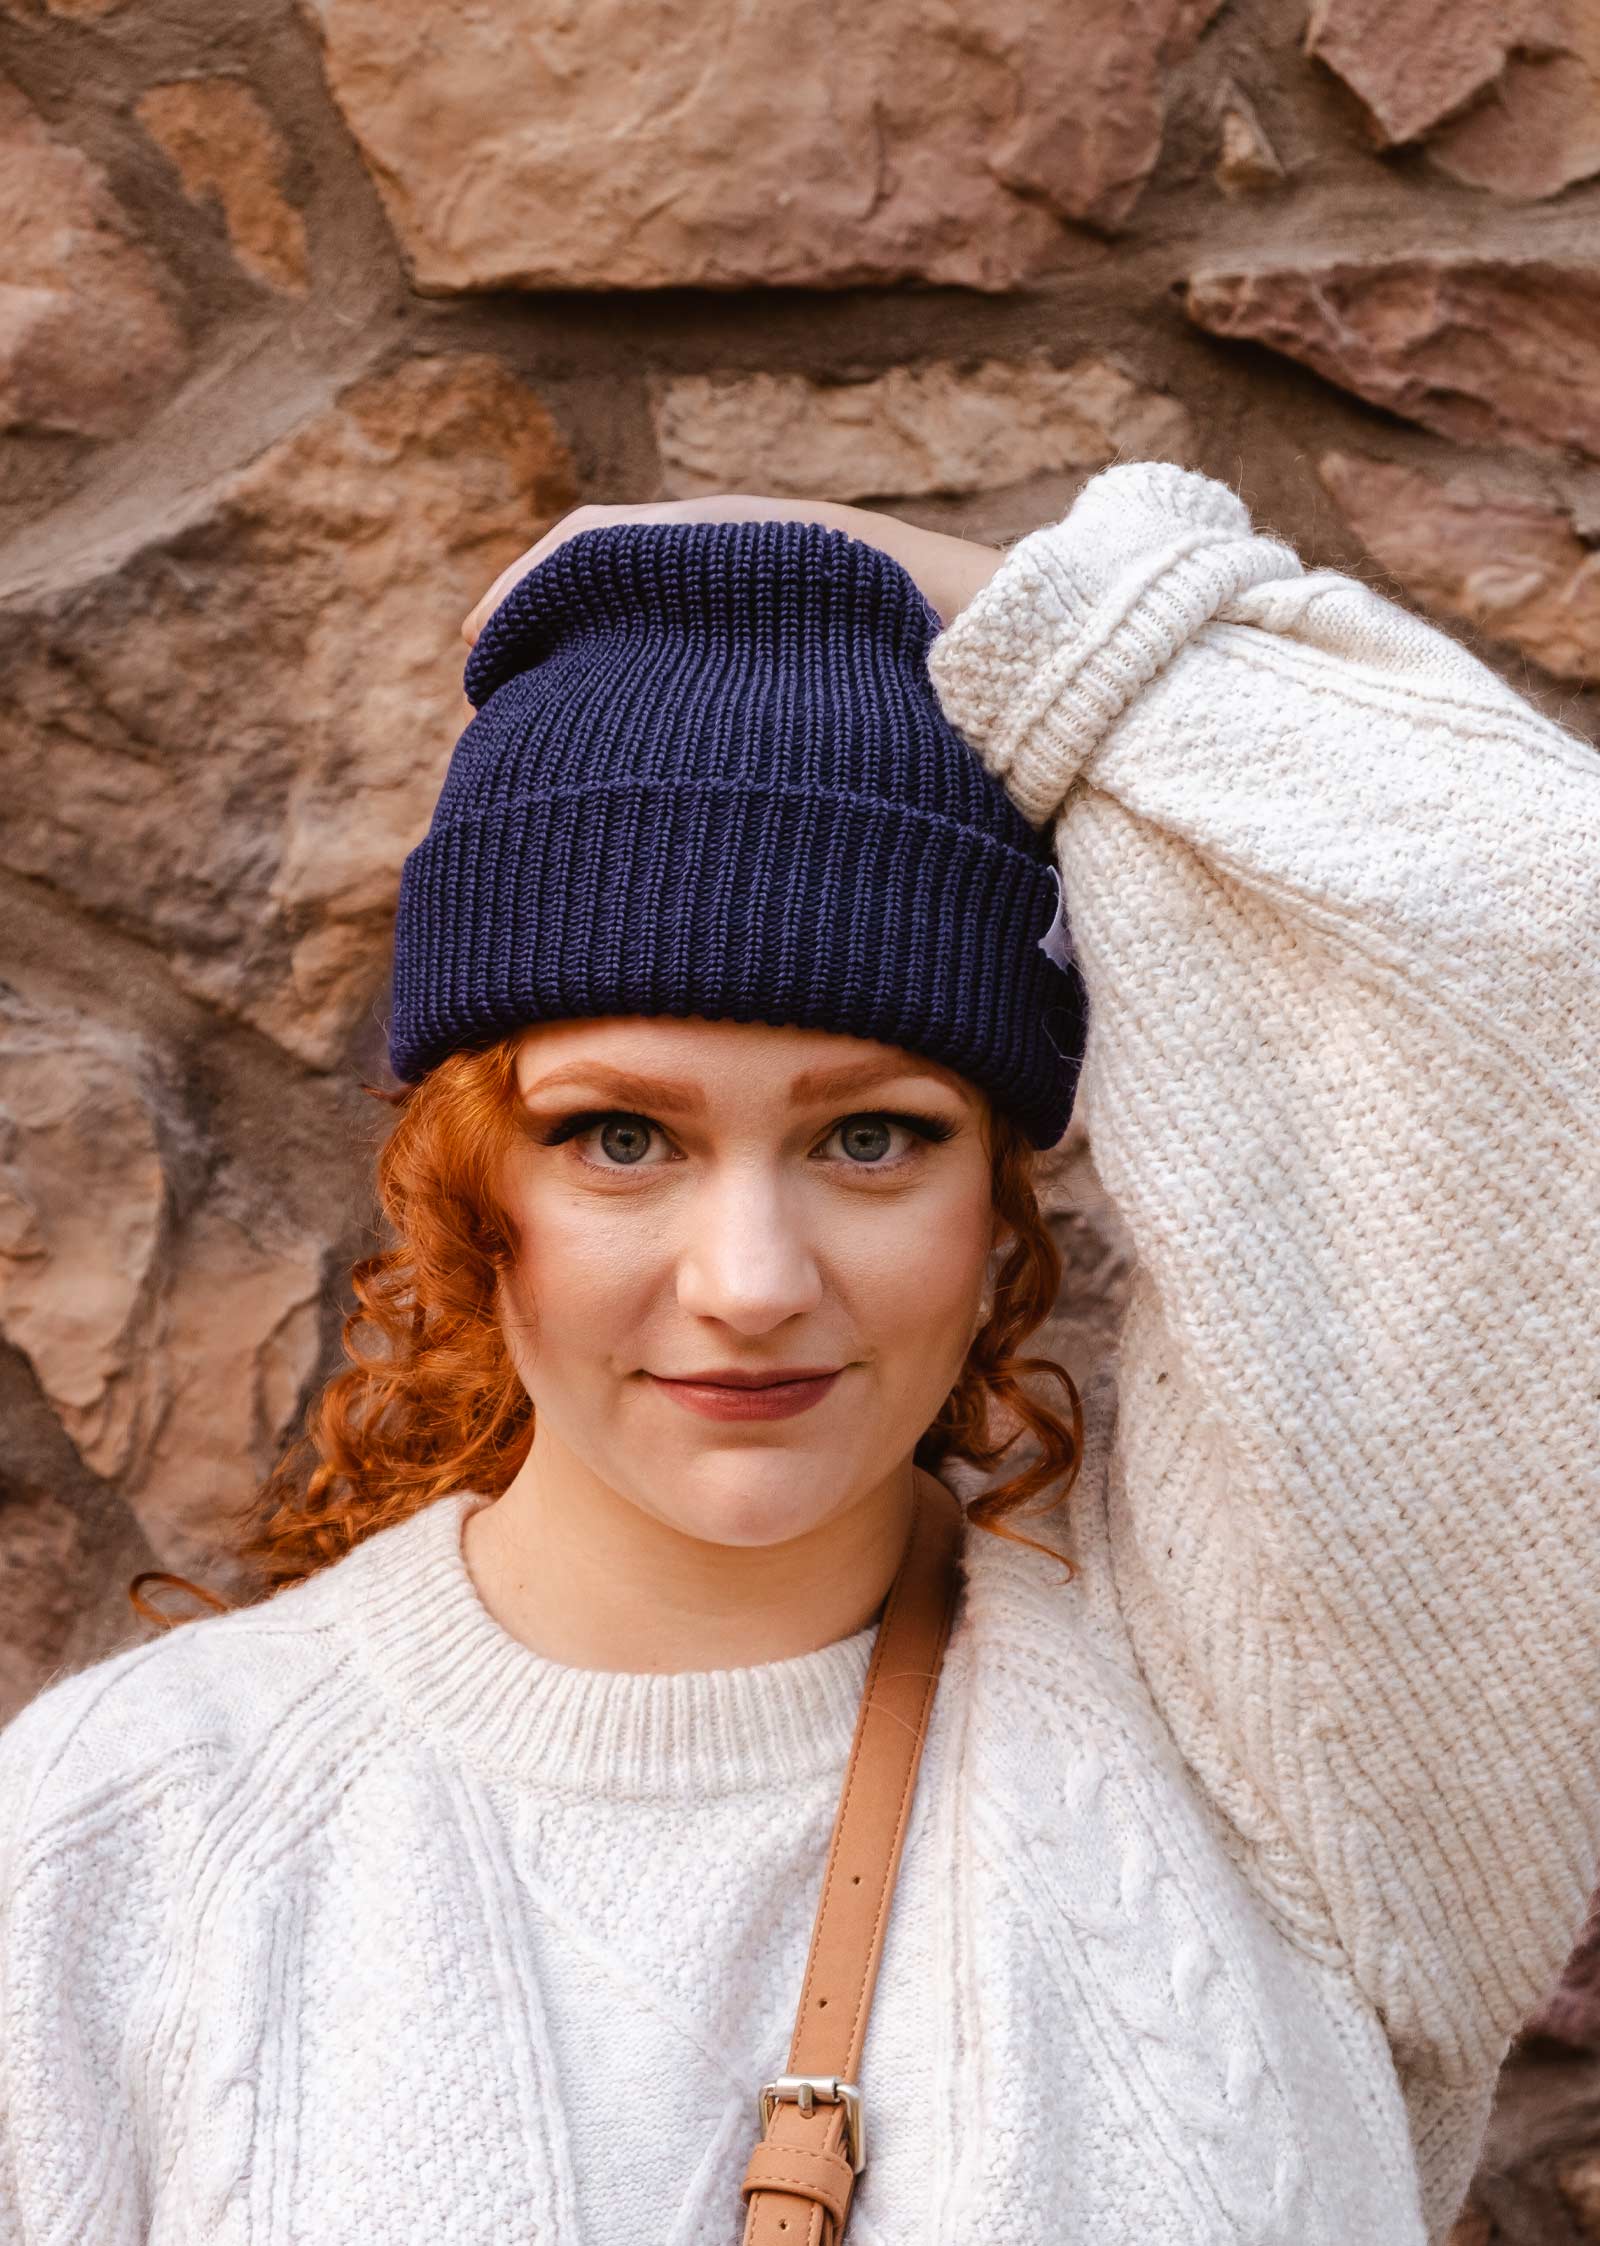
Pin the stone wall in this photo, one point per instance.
(311, 318)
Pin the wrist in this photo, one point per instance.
(970, 568)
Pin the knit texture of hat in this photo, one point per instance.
(710, 775)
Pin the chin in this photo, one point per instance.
(748, 1499)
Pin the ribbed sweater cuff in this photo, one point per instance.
(1082, 614)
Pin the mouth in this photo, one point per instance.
(728, 1393)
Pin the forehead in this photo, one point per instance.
(723, 1060)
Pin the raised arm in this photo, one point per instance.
(1335, 894)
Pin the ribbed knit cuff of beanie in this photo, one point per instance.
(710, 775)
(1152, 553)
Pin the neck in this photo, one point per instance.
(583, 1576)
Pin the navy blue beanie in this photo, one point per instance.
(709, 775)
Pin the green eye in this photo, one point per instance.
(865, 1138)
(625, 1139)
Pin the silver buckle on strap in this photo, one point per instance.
(804, 2091)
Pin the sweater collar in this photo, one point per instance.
(455, 1675)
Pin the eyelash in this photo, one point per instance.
(925, 1127)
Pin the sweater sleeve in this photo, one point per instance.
(1334, 891)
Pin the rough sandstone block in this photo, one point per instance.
(1513, 568)
(226, 150)
(1537, 130)
(88, 342)
(229, 742)
(1486, 350)
(1247, 163)
(939, 428)
(1413, 63)
(171, 1324)
(715, 143)
(1505, 92)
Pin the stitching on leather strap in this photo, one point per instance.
(824, 2177)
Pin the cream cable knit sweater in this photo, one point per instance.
(1235, 1861)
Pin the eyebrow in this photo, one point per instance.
(678, 1092)
(621, 1084)
(857, 1076)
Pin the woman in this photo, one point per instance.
(461, 1889)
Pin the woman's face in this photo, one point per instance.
(722, 1198)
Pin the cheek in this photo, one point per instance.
(913, 1280)
(576, 1288)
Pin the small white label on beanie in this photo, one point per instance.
(1056, 942)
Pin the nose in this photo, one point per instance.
(745, 1259)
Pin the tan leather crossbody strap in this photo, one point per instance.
(801, 2174)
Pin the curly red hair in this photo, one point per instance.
(429, 1401)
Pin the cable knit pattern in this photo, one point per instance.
(1236, 1858)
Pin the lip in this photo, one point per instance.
(730, 1393)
